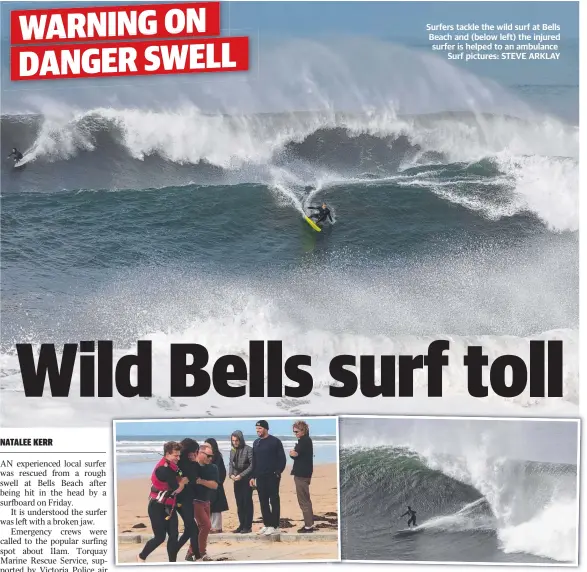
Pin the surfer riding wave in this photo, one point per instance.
(322, 214)
(16, 155)
(412, 515)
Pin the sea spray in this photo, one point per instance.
(477, 500)
(287, 153)
(551, 533)
(524, 474)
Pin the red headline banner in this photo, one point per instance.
(115, 22)
(129, 58)
(73, 58)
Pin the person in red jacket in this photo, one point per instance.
(167, 481)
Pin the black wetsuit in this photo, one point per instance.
(412, 514)
(16, 155)
(322, 214)
(162, 523)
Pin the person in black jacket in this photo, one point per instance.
(205, 485)
(269, 462)
(218, 501)
(185, 500)
(240, 467)
(303, 467)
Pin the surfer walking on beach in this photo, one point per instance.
(412, 514)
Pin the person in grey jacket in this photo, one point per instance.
(240, 467)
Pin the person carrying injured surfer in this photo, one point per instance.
(185, 500)
(322, 214)
(205, 484)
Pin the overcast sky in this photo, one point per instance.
(297, 48)
(210, 428)
(546, 441)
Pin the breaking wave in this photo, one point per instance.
(529, 507)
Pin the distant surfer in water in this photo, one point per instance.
(16, 155)
(412, 514)
(322, 214)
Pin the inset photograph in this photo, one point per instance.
(234, 490)
(474, 490)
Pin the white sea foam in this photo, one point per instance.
(551, 533)
(537, 517)
(334, 87)
(513, 464)
(373, 312)
(227, 337)
(539, 160)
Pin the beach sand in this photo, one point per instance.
(249, 551)
(132, 510)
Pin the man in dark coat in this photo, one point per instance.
(269, 462)
(240, 468)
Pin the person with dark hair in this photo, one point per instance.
(166, 483)
(185, 500)
(218, 501)
(16, 155)
(303, 467)
(240, 467)
(269, 462)
(412, 515)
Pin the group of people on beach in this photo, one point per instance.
(189, 481)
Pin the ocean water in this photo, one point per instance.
(475, 499)
(135, 456)
(179, 218)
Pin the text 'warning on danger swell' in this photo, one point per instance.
(82, 52)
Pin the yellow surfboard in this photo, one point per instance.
(313, 224)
